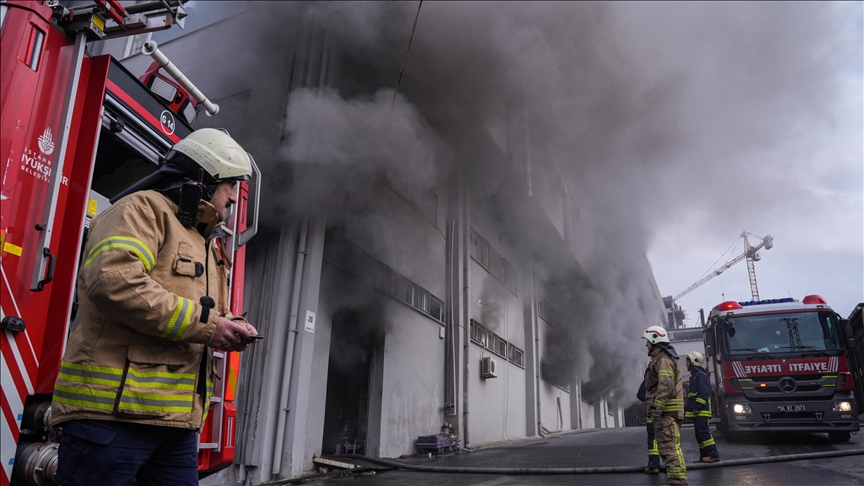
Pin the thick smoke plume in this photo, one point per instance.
(608, 105)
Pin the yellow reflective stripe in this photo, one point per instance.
(665, 373)
(84, 397)
(127, 243)
(689, 414)
(681, 471)
(748, 387)
(829, 376)
(707, 443)
(702, 401)
(704, 413)
(161, 380)
(152, 402)
(97, 375)
(179, 319)
(830, 385)
(745, 379)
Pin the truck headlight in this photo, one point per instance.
(844, 406)
(742, 408)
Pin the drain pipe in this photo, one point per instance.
(466, 320)
(602, 470)
(450, 349)
(289, 351)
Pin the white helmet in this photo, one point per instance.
(696, 358)
(656, 334)
(215, 152)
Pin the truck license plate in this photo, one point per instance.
(790, 408)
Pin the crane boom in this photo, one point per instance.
(749, 254)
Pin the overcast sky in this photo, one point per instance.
(777, 148)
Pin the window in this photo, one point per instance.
(475, 246)
(496, 264)
(352, 258)
(405, 291)
(436, 307)
(516, 356)
(553, 376)
(478, 333)
(512, 279)
(421, 299)
(492, 261)
(497, 345)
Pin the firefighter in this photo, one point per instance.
(665, 398)
(653, 466)
(136, 378)
(699, 407)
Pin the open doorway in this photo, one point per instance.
(353, 343)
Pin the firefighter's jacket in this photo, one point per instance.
(138, 351)
(664, 393)
(698, 395)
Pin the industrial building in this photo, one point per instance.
(447, 293)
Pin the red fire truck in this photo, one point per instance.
(75, 130)
(780, 365)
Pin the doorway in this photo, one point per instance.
(353, 343)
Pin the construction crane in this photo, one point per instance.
(749, 254)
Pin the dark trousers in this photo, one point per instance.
(99, 452)
(653, 453)
(707, 448)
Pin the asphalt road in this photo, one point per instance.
(626, 447)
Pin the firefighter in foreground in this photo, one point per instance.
(665, 399)
(136, 379)
(699, 406)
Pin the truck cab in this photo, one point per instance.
(780, 365)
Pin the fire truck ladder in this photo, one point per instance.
(749, 254)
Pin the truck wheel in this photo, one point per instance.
(839, 436)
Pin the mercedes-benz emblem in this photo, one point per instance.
(787, 384)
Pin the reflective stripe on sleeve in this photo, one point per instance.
(127, 243)
(179, 320)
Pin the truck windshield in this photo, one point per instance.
(783, 333)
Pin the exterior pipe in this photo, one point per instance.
(151, 48)
(289, 351)
(466, 322)
(450, 351)
(603, 470)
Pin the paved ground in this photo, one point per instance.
(626, 447)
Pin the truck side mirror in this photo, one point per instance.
(709, 351)
(847, 332)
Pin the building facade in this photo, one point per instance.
(396, 306)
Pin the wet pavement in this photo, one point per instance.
(625, 447)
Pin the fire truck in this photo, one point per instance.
(781, 365)
(76, 130)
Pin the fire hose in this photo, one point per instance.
(600, 470)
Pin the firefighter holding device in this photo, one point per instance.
(136, 378)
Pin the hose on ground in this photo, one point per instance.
(600, 470)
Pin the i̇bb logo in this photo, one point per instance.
(167, 121)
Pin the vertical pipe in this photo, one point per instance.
(537, 368)
(466, 322)
(289, 355)
(449, 362)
